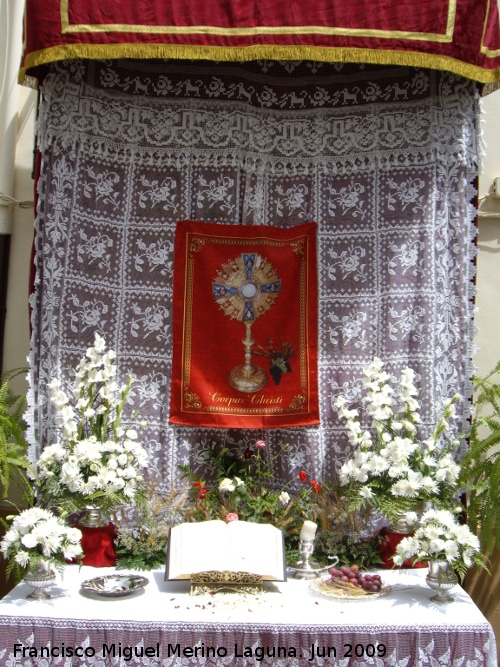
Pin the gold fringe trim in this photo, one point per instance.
(257, 52)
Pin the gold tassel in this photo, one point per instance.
(257, 52)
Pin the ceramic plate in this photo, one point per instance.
(320, 587)
(115, 585)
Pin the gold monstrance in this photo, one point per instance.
(245, 289)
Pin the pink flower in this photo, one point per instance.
(232, 516)
(260, 444)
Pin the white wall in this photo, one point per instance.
(487, 318)
(487, 338)
(17, 329)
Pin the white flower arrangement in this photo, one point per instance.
(97, 462)
(229, 485)
(391, 467)
(37, 535)
(440, 537)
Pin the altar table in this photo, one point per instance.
(285, 626)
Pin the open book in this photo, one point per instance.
(237, 546)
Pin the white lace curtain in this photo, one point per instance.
(382, 158)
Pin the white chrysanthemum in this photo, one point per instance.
(71, 477)
(379, 464)
(29, 541)
(23, 558)
(407, 548)
(407, 487)
(129, 490)
(465, 536)
(51, 453)
(398, 469)
(71, 551)
(451, 550)
(361, 474)
(29, 518)
(122, 459)
(130, 473)
(11, 536)
(429, 485)
(87, 451)
(366, 492)
(436, 545)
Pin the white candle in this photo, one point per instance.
(308, 531)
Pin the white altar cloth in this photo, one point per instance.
(284, 626)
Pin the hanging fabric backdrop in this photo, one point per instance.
(382, 159)
(461, 36)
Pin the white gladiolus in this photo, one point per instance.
(396, 462)
(95, 451)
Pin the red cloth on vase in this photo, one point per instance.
(97, 545)
(387, 550)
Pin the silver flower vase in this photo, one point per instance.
(40, 577)
(93, 518)
(403, 525)
(441, 579)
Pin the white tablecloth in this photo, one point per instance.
(285, 626)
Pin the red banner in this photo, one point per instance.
(462, 36)
(245, 331)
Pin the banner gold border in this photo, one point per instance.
(446, 37)
(198, 240)
(489, 53)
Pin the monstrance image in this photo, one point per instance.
(245, 289)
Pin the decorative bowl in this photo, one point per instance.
(115, 585)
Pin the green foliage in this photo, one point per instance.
(13, 447)
(349, 549)
(480, 473)
(142, 540)
(342, 529)
(242, 486)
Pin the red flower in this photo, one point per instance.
(302, 476)
(248, 453)
(316, 487)
(202, 489)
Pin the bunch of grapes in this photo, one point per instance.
(344, 576)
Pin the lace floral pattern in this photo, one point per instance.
(112, 644)
(383, 159)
